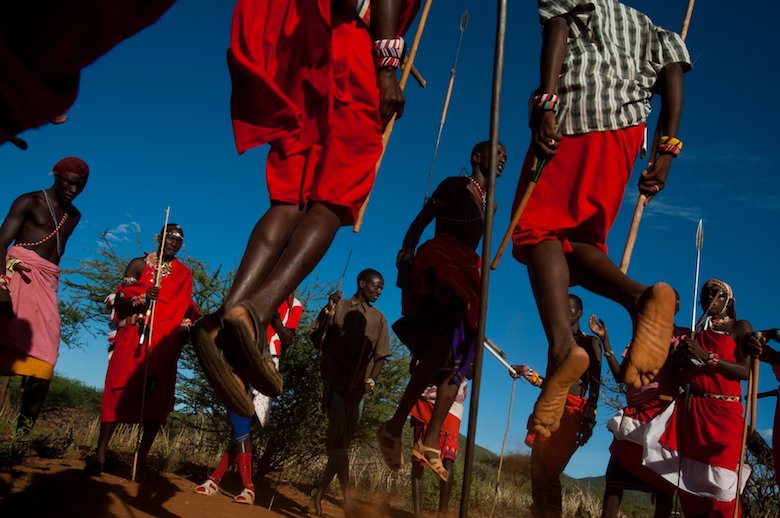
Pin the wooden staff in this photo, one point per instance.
(407, 68)
(643, 200)
(149, 324)
(490, 202)
(744, 443)
(519, 211)
(754, 394)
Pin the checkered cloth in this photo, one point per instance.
(613, 59)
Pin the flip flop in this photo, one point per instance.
(247, 496)
(208, 488)
(227, 386)
(250, 356)
(422, 452)
(391, 448)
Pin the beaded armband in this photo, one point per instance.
(4, 280)
(371, 383)
(186, 322)
(669, 146)
(545, 103)
(388, 52)
(712, 360)
(138, 300)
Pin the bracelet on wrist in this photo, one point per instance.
(4, 281)
(371, 383)
(388, 52)
(669, 146)
(609, 353)
(712, 360)
(546, 102)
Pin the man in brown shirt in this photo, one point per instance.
(354, 340)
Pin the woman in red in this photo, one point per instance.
(702, 435)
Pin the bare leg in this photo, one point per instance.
(150, 432)
(445, 487)
(548, 271)
(307, 244)
(663, 505)
(34, 392)
(611, 503)
(445, 395)
(417, 489)
(651, 309)
(422, 376)
(106, 432)
(266, 244)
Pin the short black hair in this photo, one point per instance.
(369, 273)
(483, 147)
(577, 301)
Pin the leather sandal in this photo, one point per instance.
(431, 457)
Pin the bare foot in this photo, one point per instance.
(653, 326)
(550, 405)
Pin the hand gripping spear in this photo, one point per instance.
(643, 200)
(464, 23)
(146, 344)
(407, 69)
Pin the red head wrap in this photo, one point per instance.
(72, 164)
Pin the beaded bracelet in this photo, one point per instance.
(546, 103)
(669, 146)
(712, 360)
(388, 52)
(609, 353)
(138, 300)
(4, 280)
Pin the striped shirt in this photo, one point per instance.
(613, 57)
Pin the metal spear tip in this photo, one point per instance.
(700, 235)
(464, 20)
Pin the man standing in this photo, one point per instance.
(354, 340)
(39, 224)
(142, 369)
(550, 457)
(601, 63)
(316, 80)
(282, 330)
(440, 283)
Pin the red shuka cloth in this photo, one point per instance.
(556, 451)
(44, 46)
(450, 430)
(579, 192)
(453, 265)
(124, 378)
(710, 431)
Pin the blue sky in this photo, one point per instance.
(152, 120)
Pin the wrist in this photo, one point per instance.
(671, 146)
(4, 281)
(712, 360)
(388, 53)
(371, 383)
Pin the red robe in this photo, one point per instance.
(709, 434)
(124, 378)
(44, 46)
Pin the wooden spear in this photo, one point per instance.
(146, 344)
(748, 416)
(490, 202)
(464, 23)
(643, 200)
(407, 69)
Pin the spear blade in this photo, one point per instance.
(464, 20)
(700, 236)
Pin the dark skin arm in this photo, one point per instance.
(738, 370)
(124, 307)
(599, 328)
(545, 137)
(384, 21)
(670, 86)
(10, 228)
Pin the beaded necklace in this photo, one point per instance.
(165, 268)
(482, 195)
(54, 233)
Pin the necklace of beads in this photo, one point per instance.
(55, 232)
(165, 268)
(479, 189)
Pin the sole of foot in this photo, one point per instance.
(653, 328)
(550, 405)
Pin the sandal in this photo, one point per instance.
(251, 356)
(208, 488)
(247, 496)
(422, 452)
(391, 448)
(227, 386)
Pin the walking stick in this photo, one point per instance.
(744, 443)
(149, 324)
(407, 68)
(464, 23)
(519, 211)
(487, 344)
(490, 202)
(643, 200)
